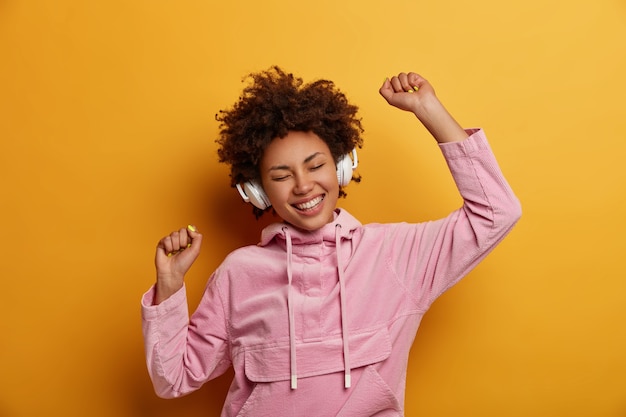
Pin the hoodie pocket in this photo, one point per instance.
(269, 368)
(371, 397)
(272, 363)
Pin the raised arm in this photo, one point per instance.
(434, 255)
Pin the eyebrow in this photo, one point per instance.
(306, 160)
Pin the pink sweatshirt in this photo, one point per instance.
(321, 323)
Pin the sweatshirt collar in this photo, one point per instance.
(302, 237)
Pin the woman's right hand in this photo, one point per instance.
(175, 253)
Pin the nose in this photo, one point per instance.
(303, 184)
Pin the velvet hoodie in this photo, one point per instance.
(321, 323)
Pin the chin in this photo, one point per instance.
(312, 224)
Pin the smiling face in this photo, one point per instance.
(299, 176)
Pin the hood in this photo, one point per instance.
(342, 227)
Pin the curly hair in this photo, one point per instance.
(276, 103)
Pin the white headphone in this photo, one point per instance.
(252, 192)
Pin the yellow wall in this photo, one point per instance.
(107, 128)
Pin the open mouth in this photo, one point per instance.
(310, 205)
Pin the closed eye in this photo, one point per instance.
(281, 178)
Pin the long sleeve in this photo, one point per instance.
(181, 354)
(433, 256)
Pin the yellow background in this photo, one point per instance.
(107, 143)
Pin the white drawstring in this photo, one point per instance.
(292, 324)
(342, 300)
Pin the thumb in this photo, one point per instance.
(196, 240)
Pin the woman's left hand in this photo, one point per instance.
(413, 93)
(407, 91)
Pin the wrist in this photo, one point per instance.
(164, 289)
(438, 121)
(427, 108)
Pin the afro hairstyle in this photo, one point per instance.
(272, 105)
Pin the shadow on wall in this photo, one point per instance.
(237, 224)
(232, 225)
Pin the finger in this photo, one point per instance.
(404, 82)
(398, 86)
(175, 239)
(184, 239)
(386, 90)
(395, 84)
(160, 249)
(165, 247)
(166, 244)
(409, 82)
(401, 83)
(172, 244)
(415, 80)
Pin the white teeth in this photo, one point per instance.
(310, 204)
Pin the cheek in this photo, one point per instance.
(329, 178)
(276, 191)
(332, 183)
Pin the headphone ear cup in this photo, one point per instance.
(252, 192)
(345, 167)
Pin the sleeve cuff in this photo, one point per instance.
(476, 141)
(151, 311)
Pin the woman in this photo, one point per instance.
(319, 317)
